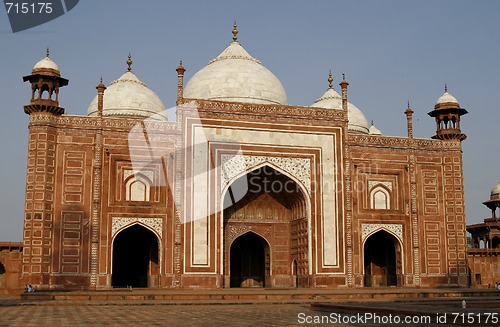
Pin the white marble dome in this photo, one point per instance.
(46, 63)
(236, 76)
(446, 98)
(495, 192)
(332, 100)
(128, 96)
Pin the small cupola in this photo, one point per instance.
(447, 113)
(45, 82)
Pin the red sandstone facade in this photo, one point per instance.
(238, 194)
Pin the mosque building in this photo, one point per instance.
(242, 189)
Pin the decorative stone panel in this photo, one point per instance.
(396, 229)
(232, 165)
(155, 224)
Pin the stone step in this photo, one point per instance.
(255, 295)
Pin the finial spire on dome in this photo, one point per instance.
(446, 87)
(47, 52)
(408, 104)
(235, 32)
(330, 80)
(129, 62)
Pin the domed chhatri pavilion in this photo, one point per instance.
(484, 251)
(241, 190)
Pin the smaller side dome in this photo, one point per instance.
(332, 100)
(128, 96)
(357, 120)
(374, 130)
(495, 192)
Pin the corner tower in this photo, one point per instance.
(45, 82)
(40, 215)
(447, 112)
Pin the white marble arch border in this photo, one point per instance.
(395, 230)
(120, 223)
(234, 165)
(305, 194)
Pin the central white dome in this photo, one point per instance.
(235, 76)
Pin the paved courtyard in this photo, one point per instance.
(155, 315)
(249, 312)
(147, 314)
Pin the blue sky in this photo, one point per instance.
(391, 51)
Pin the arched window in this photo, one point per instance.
(495, 242)
(380, 198)
(45, 88)
(137, 188)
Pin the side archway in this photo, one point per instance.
(382, 260)
(135, 260)
(250, 262)
(270, 203)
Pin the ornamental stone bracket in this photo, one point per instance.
(233, 165)
(156, 224)
(395, 229)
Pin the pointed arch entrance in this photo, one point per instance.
(267, 228)
(135, 258)
(250, 261)
(382, 260)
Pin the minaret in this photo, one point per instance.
(180, 82)
(344, 85)
(447, 112)
(409, 120)
(45, 82)
(41, 185)
(100, 97)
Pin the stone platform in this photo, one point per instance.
(253, 295)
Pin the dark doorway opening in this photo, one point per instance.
(495, 242)
(2, 276)
(135, 258)
(250, 262)
(381, 260)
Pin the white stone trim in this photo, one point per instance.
(156, 224)
(395, 229)
(387, 184)
(233, 165)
